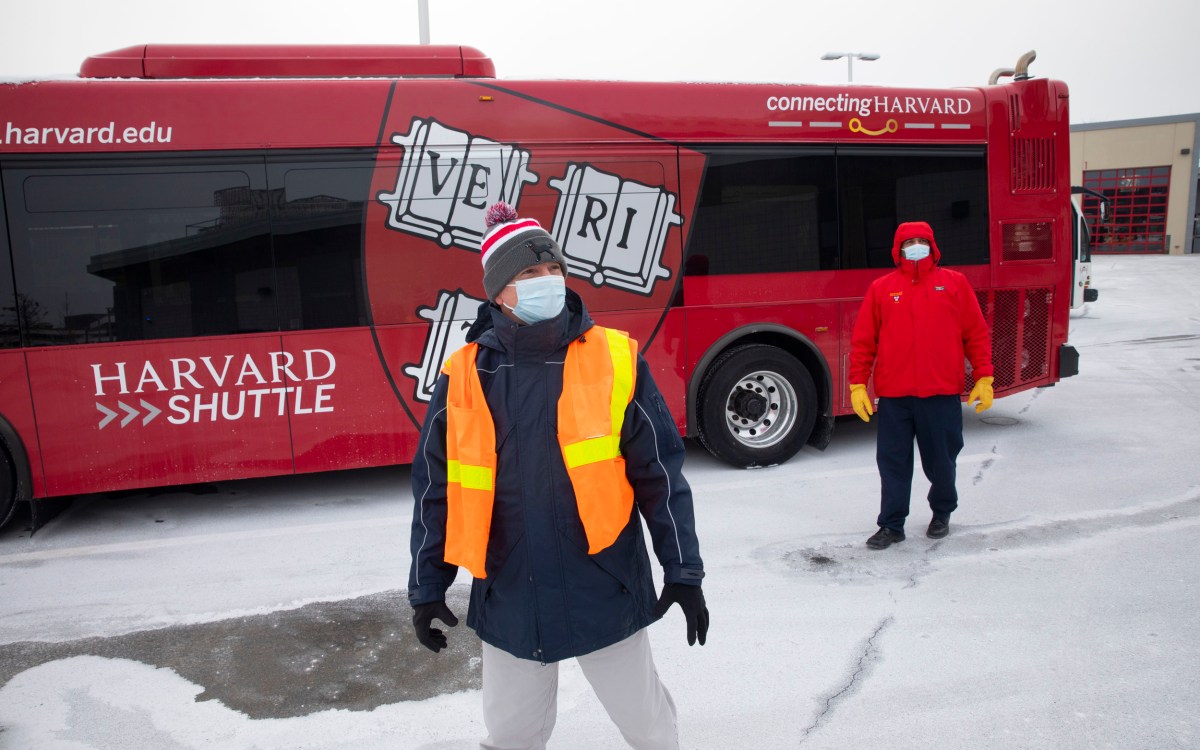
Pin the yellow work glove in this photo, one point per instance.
(862, 402)
(982, 392)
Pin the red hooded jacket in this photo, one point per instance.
(917, 325)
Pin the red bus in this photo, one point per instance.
(228, 261)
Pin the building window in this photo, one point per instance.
(1137, 221)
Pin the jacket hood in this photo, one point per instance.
(910, 230)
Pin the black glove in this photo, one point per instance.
(691, 600)
(423, 614)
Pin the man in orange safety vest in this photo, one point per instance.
(545, 443)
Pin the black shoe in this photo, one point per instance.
(884, 538)
(938, 528)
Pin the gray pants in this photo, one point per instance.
(520, 697)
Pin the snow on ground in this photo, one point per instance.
(1059, 613)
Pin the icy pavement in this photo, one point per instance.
(1059, 613)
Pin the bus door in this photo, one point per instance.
(1081, 240)
(343, 410)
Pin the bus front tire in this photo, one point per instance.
(757, 406)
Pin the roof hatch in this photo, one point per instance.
(289, 61)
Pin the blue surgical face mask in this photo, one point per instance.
(539, 298)
(916, 251)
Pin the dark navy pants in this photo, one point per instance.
(936, 422)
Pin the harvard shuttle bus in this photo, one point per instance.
(225, 262)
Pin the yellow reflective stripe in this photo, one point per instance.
(592, 450)
(470, 477)
(477, 478)
(622, 364)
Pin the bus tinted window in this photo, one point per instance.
(880, 189)
(127, 252)
(768, 210)
(763, 211)
(135, 250)
(317, 228)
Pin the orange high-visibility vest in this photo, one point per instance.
(604, 361)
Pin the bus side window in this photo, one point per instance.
(765, 210)
(130, 250)
(880, 188)
(317, 233)
(10, 331)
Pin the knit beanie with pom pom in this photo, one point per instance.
(512, 244)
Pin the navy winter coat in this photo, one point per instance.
(545, 598)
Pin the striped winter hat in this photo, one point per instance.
(512, 244)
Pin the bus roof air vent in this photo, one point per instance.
(289, 61)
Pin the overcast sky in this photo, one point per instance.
(1122, 59)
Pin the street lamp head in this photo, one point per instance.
(850, 58)
(854, 55)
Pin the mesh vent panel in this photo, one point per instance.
(1020, 324)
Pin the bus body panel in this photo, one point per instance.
(127, 415)
(847, 313)
(666, 354)
(345, 414)
(83, 116)
(815, 322)
(89, 116)
(706, 112)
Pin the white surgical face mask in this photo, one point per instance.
(539, 298)
(916, 251)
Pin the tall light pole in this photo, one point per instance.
(850, 57)
(423, 20)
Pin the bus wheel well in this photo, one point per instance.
(807, 395)
(801, 349)
(15, 477)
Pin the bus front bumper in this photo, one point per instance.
(1068, 361)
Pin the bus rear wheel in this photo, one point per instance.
(757, 406)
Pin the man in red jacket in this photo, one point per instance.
(916, 327)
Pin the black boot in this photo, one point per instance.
(884, 538)
(938, 528)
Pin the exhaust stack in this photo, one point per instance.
(1019, 73)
